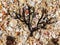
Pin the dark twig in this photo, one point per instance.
(27, 20)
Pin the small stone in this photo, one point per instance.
(17, 33)
(10, 40)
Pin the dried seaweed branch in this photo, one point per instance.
(42, 22)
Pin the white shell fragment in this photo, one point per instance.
(0, 14)
(37, 35)
(1, 32)
(9, 28)
(0, 19)
(13, 23)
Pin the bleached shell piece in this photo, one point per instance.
(34, 43)
(54, 35)
(37, 36)
(0, 19)
(5, 10)
(21, 30)
(57, 13)
(13, 23)
(26, 43)
(22, 1)
(25, 39)
(19, 43)
(1, 32)
(17, 30)
(0, 14)
(9, 28)
(39, 1)
(32, 3)
(57, 25)
(11, 1)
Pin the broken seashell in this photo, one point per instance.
(13, 23)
